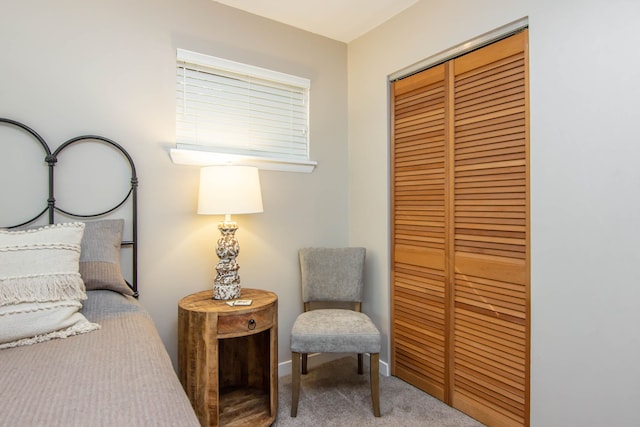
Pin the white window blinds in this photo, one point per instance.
(232, 108)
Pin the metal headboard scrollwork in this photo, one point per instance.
(51, 159)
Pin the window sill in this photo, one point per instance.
(183, 156)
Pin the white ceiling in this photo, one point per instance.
(342, 20)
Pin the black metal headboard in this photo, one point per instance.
(51, 159)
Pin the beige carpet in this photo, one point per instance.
(334, 394)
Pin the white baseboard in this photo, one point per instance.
(316, 359)
(384, 368)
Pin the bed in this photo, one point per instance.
(76, 346)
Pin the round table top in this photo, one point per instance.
(204, 302)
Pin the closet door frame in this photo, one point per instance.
(450, 233)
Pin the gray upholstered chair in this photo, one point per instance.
(333, 275)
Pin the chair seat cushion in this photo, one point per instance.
(334, 331)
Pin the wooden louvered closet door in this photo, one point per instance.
(460, 232)
(419, 231)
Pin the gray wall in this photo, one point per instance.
(585, 206)
(74, 67)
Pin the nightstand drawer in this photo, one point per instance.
(248, 323)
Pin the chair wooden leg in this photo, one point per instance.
(374, 363)
(360, 363)
(295, 382)
(304, 363)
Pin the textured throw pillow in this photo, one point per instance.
(41, 264)
(34, 322)
(100, 256)
(40, 285)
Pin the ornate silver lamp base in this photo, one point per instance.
(227, 283)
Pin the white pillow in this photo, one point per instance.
(40, 285)
(41, 264)
(34, 322)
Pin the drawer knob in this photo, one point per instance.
(252, 324)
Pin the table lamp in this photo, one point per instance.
(228, 190)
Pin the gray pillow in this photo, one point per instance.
(100, 256)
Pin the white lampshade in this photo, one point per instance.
(229, 190)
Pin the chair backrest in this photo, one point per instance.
(332, 274)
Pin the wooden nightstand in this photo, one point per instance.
(228, 358)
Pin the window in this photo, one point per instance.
(228, 112)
